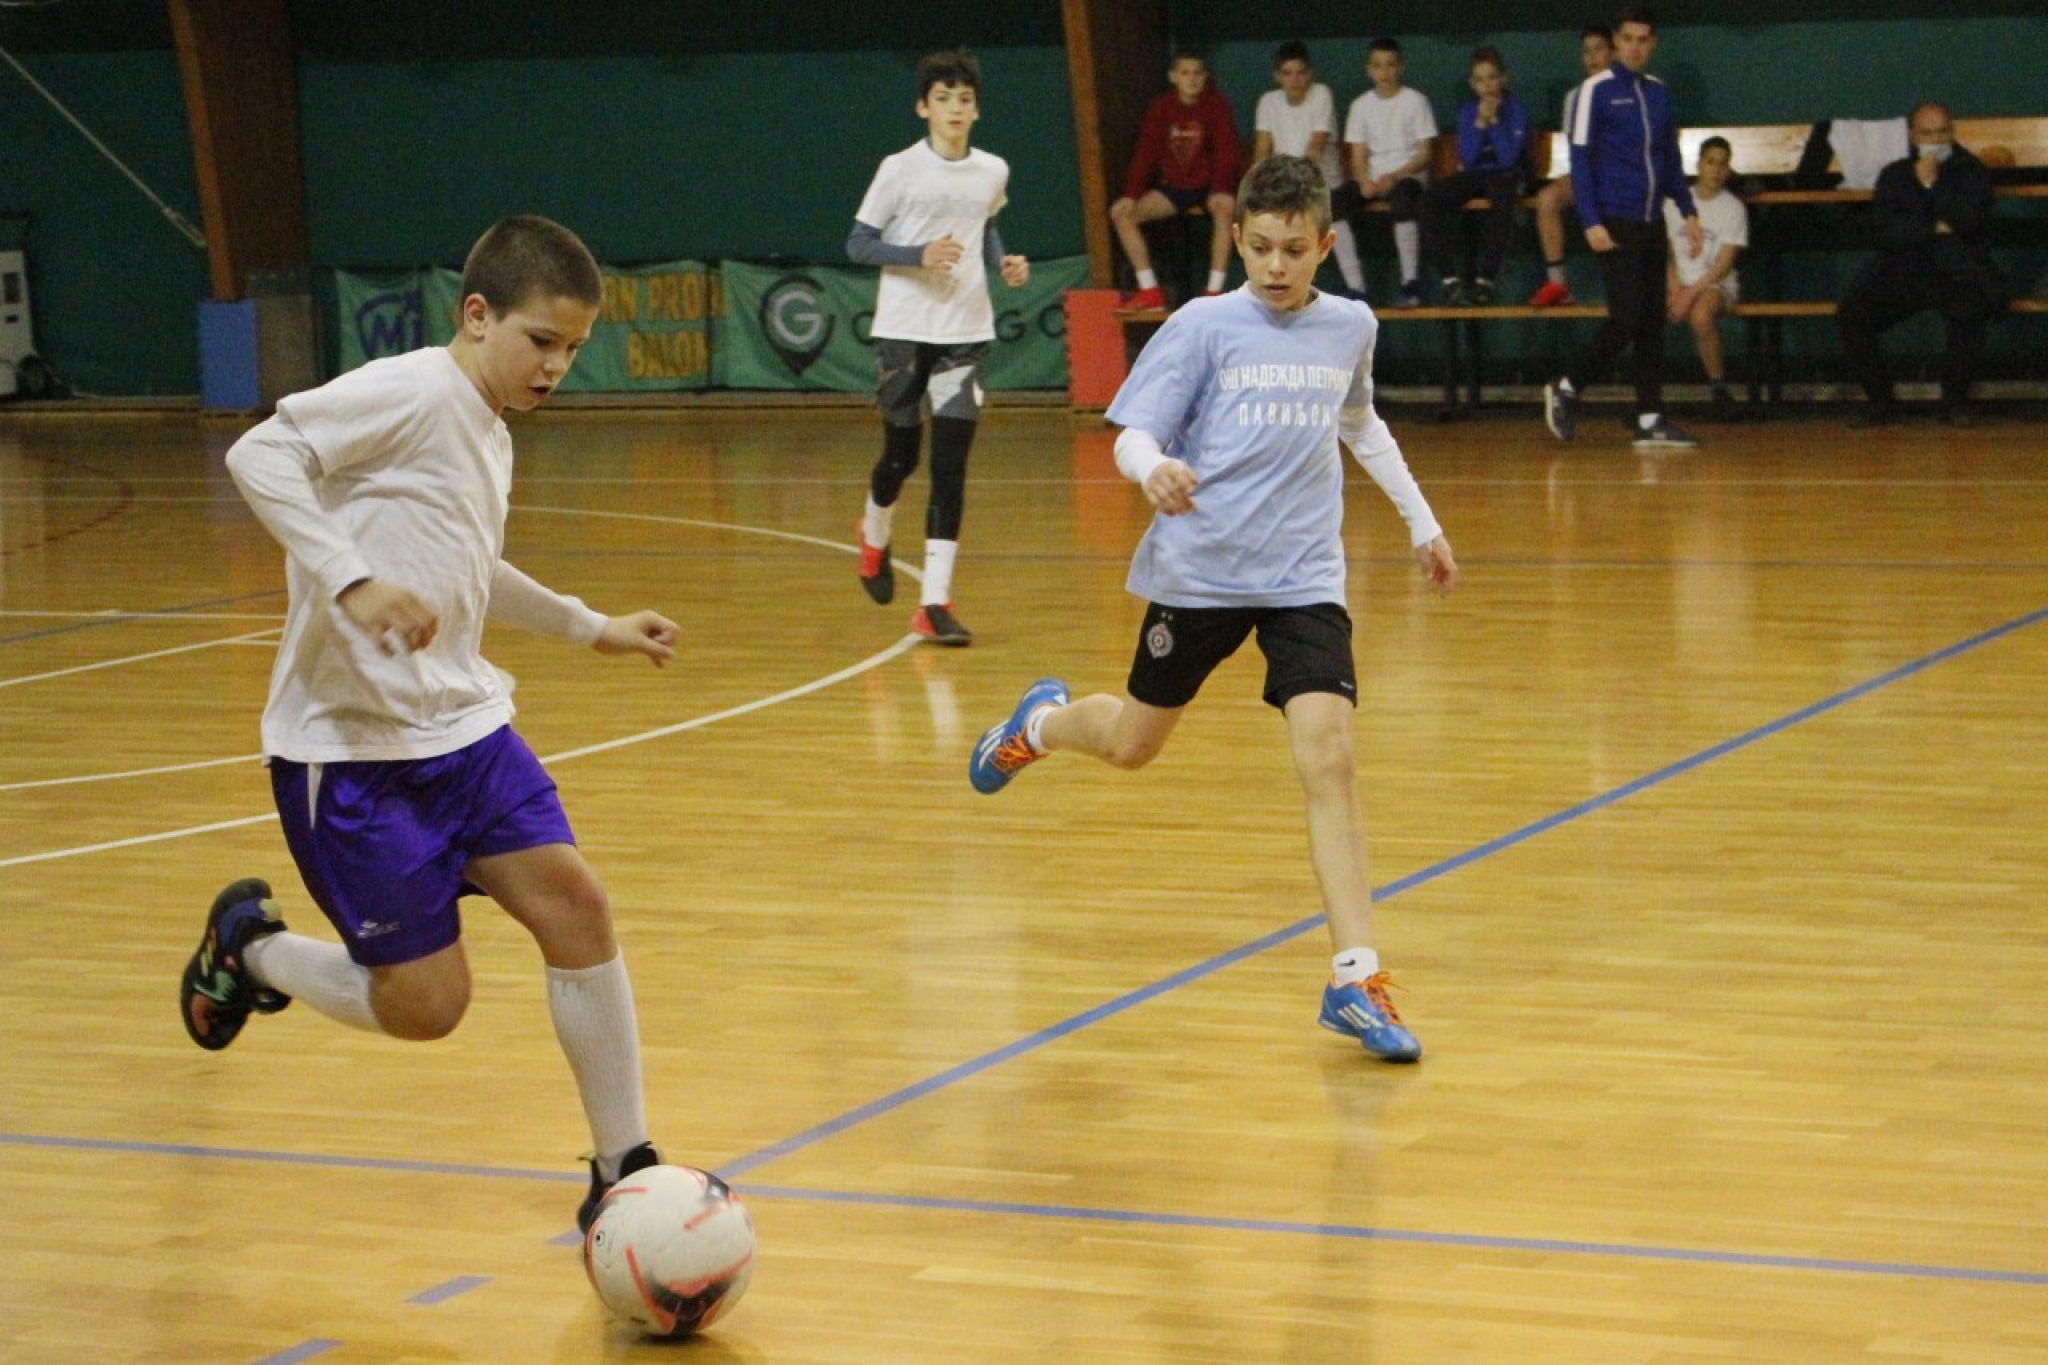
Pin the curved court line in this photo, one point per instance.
(139, 658)
(131, 772)
(1127, 1217)
(974, 1066)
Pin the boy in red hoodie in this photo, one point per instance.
(1187, 156)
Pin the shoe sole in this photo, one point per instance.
(1343, 1031)
(1666, 445)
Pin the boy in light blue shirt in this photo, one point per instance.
(1244, 398)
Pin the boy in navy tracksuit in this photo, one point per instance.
(1625, 163)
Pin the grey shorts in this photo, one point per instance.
(909, 372)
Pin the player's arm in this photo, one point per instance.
(1372, 444)
(1015, 270)
(1168, 483)
(277, 468)
(864, 246)
(519, 600)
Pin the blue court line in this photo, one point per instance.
(305, 1350)
(1124, 1217)
(129, 617)
(441, 1293)
(878, 1107)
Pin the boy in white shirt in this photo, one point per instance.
(928, 220)
(1389, 137)
(399, 781)
(1702, 288)
(1300, 119)
(1244, 397)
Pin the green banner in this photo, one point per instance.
(806, 327)
(653, 328)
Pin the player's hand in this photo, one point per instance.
(1695, 238)
(1599, 238)
(1171, 487)
(644, 632)
(941, 254)
(1016, 271)
(1438, 568)
(393, 618)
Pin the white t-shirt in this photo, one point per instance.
(398, 471)
(1393, 130)
(1293, 125)
(1724, 221)
(918, 196)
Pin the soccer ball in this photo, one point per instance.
(671, 1248)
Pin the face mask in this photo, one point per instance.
(1937, 152)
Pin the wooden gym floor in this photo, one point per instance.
(1709, 819)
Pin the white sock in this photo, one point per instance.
(1646, 420)
(1565, 386)
(600, 1035)
(938, 571)
(1216, 281)
(1354, 964)
(320, 973)
(1147, 280)
(877, 524)
(1555, 272)
(1408, 246)
(1347, 258)
(1034, 728)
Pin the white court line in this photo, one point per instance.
(112, 614)
(817, 684)
(137, 658)
(132, 772)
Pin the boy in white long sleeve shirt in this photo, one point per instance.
(399, 781)
(1244, 398)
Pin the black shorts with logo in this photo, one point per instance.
(1307, 649)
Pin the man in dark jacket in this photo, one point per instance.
(1931, 216)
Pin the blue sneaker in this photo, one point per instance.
(1362, 1010)
(217, 993)
(1003, 751)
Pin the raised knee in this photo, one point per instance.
(424, 1021)
(1122, 210)
(1131, 757)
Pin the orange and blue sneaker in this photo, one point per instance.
(1003, 751)
(217, 992)
(1361, 1010)
(635, 1160)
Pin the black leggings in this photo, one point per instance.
(952, 438)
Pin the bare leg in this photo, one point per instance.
(1551, 202)
(1706, 331)
(1319, 730)
(1129, 216)
(1222, 209)
(1123, 734)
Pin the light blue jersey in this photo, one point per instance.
(1252, 399)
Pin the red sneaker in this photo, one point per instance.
(1551, 295)
(1145, 300)
(935, 622)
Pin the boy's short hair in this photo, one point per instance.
(1601, 31)
(1383, 45)
(954, 66)
(1293, 50)
(1489, 54)
(527, 256)
(1188, 54)
(1718, 141)
(1288, 186)
(1636, 14)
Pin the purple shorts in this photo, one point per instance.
(383, 846)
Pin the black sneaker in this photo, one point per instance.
(935, 622)
(636, 1159)
(217, 993)
(1560, 410)
(877, 573)
(1483, 292)
(1456, 295)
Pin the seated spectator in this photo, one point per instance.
(1931, 215)
(1493, 142)
(1300, 119)
(1702, 287)
(1596, 54)
(1389, 133)
(1187, 158)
